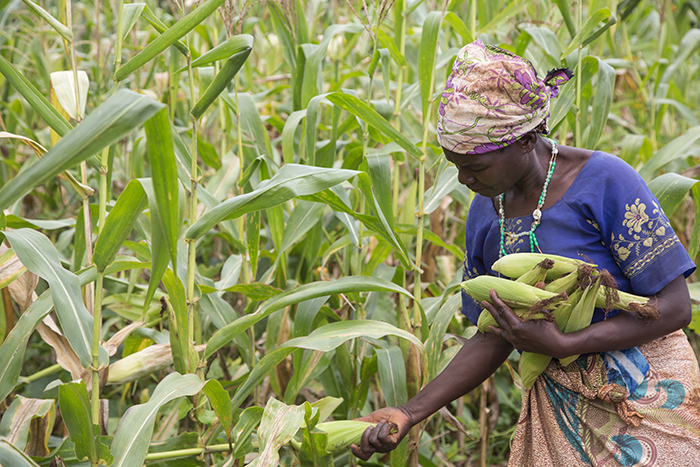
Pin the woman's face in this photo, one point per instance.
(491, 173)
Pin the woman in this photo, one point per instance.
(633, 398)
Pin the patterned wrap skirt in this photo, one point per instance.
(574, 417)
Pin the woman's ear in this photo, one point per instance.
(528, 141)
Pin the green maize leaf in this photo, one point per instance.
(220, 83)
(36, 100)
(685, 111)
(387, 42)
(135, 430)
(565, 10)
(39, 255)
(159, 26)
(290, 127)
(508, 11)
(567, 95)
(695, 235)
(13, 347)
(330, 336)
(278, 426)
(671, 189)
(119, 224)
(75, 410)
(10, 455)
(379, 169)
(285, 37)
(548, 42)
(688, 45)
(392, 375)
(678, 148)
(444, 185)
(433, 345)
(113, 119)
(255, 290)
(602, 101)
(302, 293)
(168, 38)
(595, 25)
(166, 188)
(458, 25)
(252, 237)
(10, 268)
(130, 13)
(304, 217)
(184, 355)
(59, 27)
(219, 311)
(232, 46)
(363, 111)
(289, 182)
(247, 423)
(221, 403)
(426, 57)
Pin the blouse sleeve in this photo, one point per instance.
(636, 231)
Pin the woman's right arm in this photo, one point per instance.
(478, 359)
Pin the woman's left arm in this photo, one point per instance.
(623, 331)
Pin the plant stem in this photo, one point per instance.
(472, 18)
(578, 82)
(96, 328)
(53, 369)
(187, 452)
(192, 249)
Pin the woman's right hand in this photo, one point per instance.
(392, 425)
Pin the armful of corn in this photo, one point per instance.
(564, 290)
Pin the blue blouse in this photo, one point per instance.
(608, 216)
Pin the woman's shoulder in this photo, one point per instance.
(602, 171)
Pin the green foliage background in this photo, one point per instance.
(219, 212)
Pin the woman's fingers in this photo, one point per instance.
(375, 439)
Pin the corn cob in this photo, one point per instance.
(581, 315)
(486, 319)
(517, 264)
(341, 434)
(626, 301)
(513, 294)
(536, 274)
(531, 366)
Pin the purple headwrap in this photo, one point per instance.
(492, 98)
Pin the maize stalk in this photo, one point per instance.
(517, 264)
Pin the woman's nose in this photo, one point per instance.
(465, 178)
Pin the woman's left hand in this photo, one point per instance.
(538, 336)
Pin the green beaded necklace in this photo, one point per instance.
(536, 214)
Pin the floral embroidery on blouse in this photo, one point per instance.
(515, 244)
(646, 236)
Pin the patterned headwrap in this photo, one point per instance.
(492, 98)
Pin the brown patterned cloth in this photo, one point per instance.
(574, 417)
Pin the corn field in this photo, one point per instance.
(225, 222)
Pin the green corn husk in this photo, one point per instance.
(581, 315)
(626, 301)
(514, 294)
(341, 434)
(531, 367)
(486, 319)
(536, 274)
(517, 264)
